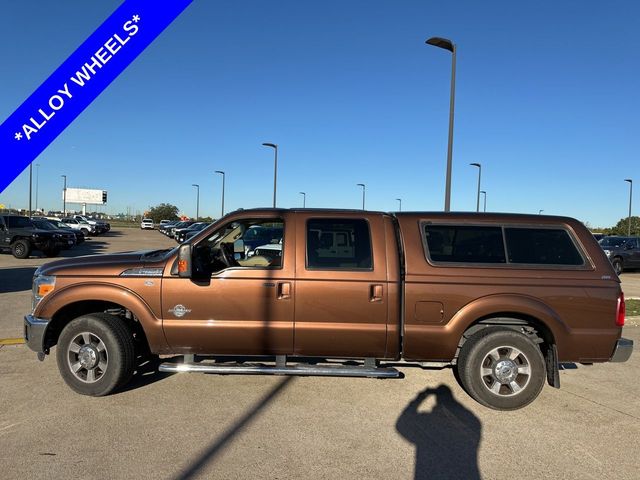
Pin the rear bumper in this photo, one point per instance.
(622, 350)
(34, 332)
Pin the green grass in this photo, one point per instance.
(633, 307)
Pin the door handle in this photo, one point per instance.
(284, 290)
(376, 293)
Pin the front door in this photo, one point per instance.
(237, 303)
(342, 292)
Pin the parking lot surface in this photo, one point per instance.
(226, 427)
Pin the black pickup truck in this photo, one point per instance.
(21, 236)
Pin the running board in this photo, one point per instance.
(308, 370)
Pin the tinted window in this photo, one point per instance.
(541, 246)
(465, 244)
(338, 244)
(19, 222)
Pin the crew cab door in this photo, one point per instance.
(342, 294)
(242, 309)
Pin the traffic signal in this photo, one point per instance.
(104, 196)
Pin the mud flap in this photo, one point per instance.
(553, 370)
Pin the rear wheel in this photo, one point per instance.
(96, 354)
(21, 248)
(501, 368)
(617, 265)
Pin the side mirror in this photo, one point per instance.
(184, 260)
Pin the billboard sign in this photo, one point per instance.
(86, 195)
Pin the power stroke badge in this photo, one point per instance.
(179, 310)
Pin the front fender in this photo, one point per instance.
(106, 292)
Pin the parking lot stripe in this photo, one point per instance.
(11, 341)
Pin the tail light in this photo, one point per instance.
(621, 311)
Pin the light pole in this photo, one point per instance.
(197, 200)
(37, 177)
(485, 199)
(275, 169)
(448, 45)
(540, 212)
(222, 208)
(630, 195)
(364, 188)
(479, 175)
(30, 186)
(304, 199)
(64, 196)
(399, 204)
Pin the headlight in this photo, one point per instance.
(607, 253)
(42, 286)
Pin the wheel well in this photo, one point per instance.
(74, 310)
(530, 326)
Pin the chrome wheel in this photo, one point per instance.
(87, 357)
(505, 371)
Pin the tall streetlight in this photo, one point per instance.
(485, 199)
(275, 169)
(630, 195)
(64, 196)
(399, 204)
(304, 199)
(364, 189)
(30, 186)
(540, 212)
(479, 175)
(221, 208)
(37, 177)
(448, 45)
(197, 200)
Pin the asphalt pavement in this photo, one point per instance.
(185, 426)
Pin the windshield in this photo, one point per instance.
(44, 225)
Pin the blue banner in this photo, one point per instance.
(80, 79)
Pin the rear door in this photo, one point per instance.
(342, 291)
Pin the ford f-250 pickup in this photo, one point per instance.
(504, 298)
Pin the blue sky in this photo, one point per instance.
(547, 100)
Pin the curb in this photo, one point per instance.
(11, 341)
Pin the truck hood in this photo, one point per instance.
(102, 265)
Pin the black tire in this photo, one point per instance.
(112, 367)
(21, 248)
(516, 382)
(85, 232)
(617, 265)
(53, 252)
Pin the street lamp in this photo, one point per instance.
(221, 208)
(485, 199)
(630, 195)
(37, 177)
(364, 188)
(64, 196)
(30, 186)
(448, 45)
(304, 199)
(197, 200)
(479, 175)
(540, 212)
(275, 169)
(400, 204)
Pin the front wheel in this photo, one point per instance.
(617, 265)
(501, 368)
(96, 354)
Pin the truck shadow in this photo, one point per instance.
(446, 438)
(195, 468)
(16, 279)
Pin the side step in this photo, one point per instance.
(280, 368)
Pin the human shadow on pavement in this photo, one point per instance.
(16, 279)
(446, 438)
(194, 469)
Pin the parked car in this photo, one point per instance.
(84, 227)
(503, 298)
(164, 228)
(164, 222)
(45, 224)
(100, 225)
(21, 236)
(624, 252)
(171, 230)
(147, 223)
(180, 234)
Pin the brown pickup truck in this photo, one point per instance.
(502, 297)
